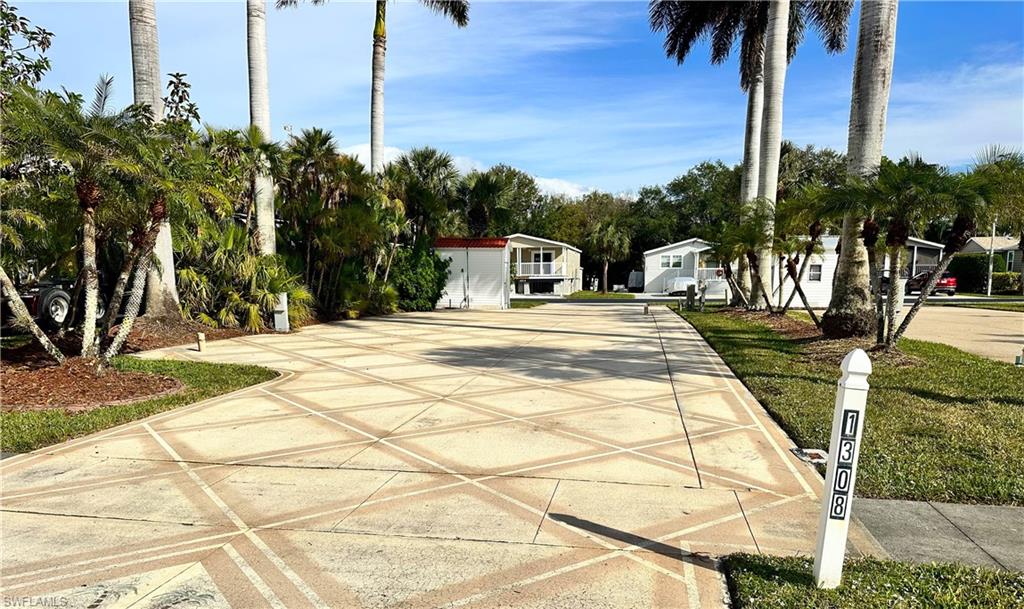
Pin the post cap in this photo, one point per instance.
(856, 367)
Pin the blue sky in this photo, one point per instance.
(579, 95)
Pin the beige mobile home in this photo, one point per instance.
(544, 266)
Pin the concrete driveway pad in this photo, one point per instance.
(563, 456)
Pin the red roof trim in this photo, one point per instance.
(466, 242)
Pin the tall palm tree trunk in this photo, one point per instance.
(893, 293)
(118, 295)
(259, 115)
(377, 89)
(751, 160)
(161, 287)
(776, 40)
(741, 295)
(849, 312)
(131, 311)
(875, 281)
(756, 283)
(798, 289)
(604, 280)
(91, 281)
(24, 319)
(926, 290)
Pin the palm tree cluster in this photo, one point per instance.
(899, 200)
(118, 173)
(768, 34)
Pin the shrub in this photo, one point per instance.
(419, 276)
(224, 283)
(1006, 283)
(971, 271)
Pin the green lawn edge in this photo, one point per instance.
(29, 430)
(527, 304)
(993, 306)
(950, 429)
(589, 295)
(764, 582)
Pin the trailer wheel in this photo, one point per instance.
(54, 308)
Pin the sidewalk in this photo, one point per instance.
(928, 531)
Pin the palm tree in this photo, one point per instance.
(684, 23)
(161, 289)
(456, 10)
(259, 118)
(1005, 168)
(775, 45)
(969, 198)
(426, 180)
(750, 239)
(608, 242)
(850, 309)
(903, 194)
(725, 250)
(794, 216)
(483, 199)
(86, 143)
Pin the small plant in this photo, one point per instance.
(225, 282)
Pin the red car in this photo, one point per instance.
(946, 283)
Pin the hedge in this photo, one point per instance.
(1006, 283)
(971, 271)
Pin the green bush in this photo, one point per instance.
(419, 276)
(971, 271)
(1006, 283)
(225, 283)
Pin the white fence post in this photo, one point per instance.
(841, 472)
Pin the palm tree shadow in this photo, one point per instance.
(640, 543)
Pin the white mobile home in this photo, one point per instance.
(478, 273)
(817, 282)
(544, 266)
(672, 266)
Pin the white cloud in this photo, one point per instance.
(946, 116)
(362, 153)
(556, 186)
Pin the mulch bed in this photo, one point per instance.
(156, 334)
(31, 380)
(75, 386)
(819, 348)
(146, 334)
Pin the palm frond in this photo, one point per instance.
(103, 90)
(456, 10)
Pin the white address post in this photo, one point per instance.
(841, 471)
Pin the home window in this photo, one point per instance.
(677, 262)
(1009, 261)
(665, 261)
(815, 273)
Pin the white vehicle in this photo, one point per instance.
(678, 285)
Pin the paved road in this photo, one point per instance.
(995, 334)
(534, 458)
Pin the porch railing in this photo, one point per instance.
(539, 268)
(710, 274)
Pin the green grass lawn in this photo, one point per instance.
(994, 306)
(526, 304)
(28, 430)
(947, 427)
(983, 295)
(588, 295)
(762, 582)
